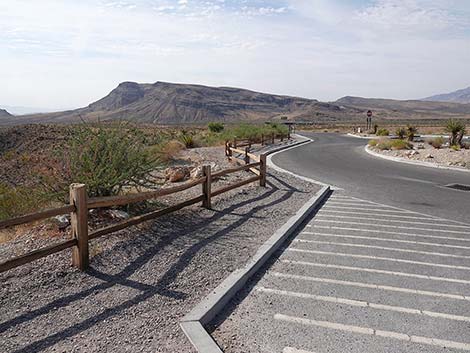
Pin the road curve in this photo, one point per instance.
(341, 161)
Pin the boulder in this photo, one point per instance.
(176, 174)
(118, 214)
(62, 221)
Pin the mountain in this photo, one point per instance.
(5, 114)
(406, 109)
(460, 96)
(169, 103)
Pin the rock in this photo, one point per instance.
(118, 214)
(62, 221)
(176, 174)
(429, 156)
(412, 153)
(196, 172)
(420, 146)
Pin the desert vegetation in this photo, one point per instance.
(389, 144)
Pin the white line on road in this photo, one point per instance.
(361, 204)
(388, 232)
(371, 286)
(390, 226)
(373, 332)
(379, 258)
(380, 248)
(364, 304)
(373, 270)
(335, 213)
(294, 350)
(387, 240)
(395, 221)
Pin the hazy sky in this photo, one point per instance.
(62, 54)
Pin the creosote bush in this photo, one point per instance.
(383, 132)
(436, 142)
(108, 159)
(387, 144)
(17, 201)
(215, 127)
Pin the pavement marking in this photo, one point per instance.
(364, 304)
(322, 212)
(387, 240)
(374, 332)
(388, 232)
(294, 350)
(371, 286)
(380, 248)
(379, 258)
(390, 226)
(327, 206)
(361, 204)
(397, 221)
(373, 270)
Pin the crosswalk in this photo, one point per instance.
(366, 277)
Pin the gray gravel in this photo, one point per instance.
(142, 280)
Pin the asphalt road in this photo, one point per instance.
(341, 161)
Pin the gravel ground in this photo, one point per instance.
(142, 280)
(425, 152)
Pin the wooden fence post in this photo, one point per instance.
(234, 143)
(262, 170)
(282, 137)
(247, 158)
(262, 140)
(272, 138)
(206, 186)
(79, 222)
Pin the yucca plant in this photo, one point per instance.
(411, 131)
(456, 129)
(401, 133)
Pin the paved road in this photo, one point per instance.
(342, 161)
(378, 273)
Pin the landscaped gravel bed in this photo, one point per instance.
(142, 280)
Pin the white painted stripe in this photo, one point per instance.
(455, 267)
(380, 248)
(373, 270)
(294, 350)
(388, 232)
(361, 204)
(387, 240)
(371, 286)
(394, 221)
(322, 212)
(364, 304)
(327, 206)
(373, 332)
(390, 226)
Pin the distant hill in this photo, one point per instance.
(169, 103)
(460, 96)
(406, 109)
(5, 114)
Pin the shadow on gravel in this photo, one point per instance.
(180, 227)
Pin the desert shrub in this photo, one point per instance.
(387, 144)
(188, 140)
(16, 201)
(376, 127)
(455, 147)
(373, 143)
(401, 133)
(215, 127)
(411, 131)
(383, 132)
(108, 159)
(456, 129)
(168, 150)
(436, 142)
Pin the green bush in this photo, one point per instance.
(215, 127)
(373, 143)
(108, 159)
(401, 133)
(17, 201)
(188, 140)
(436, 142)
(457, 130)
(387, 144)
(455, 147)
(383, 132)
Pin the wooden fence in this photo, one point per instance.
(80, 204)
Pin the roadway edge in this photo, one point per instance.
(193, 323)
(418, 163)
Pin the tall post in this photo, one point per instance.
(262, 170)
(262, 140)
(272, 138)
(206, 186)
(79, 222)
(234, 143)
(247, 158)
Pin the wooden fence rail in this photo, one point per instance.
(80, 204)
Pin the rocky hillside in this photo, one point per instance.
(5, 114)
(168, 103)
(460, 96)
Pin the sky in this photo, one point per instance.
(66, 54)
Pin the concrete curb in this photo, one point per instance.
(416, 163)
(193, 323)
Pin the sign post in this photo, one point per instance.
(369, 120)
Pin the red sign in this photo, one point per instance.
(369, 113)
